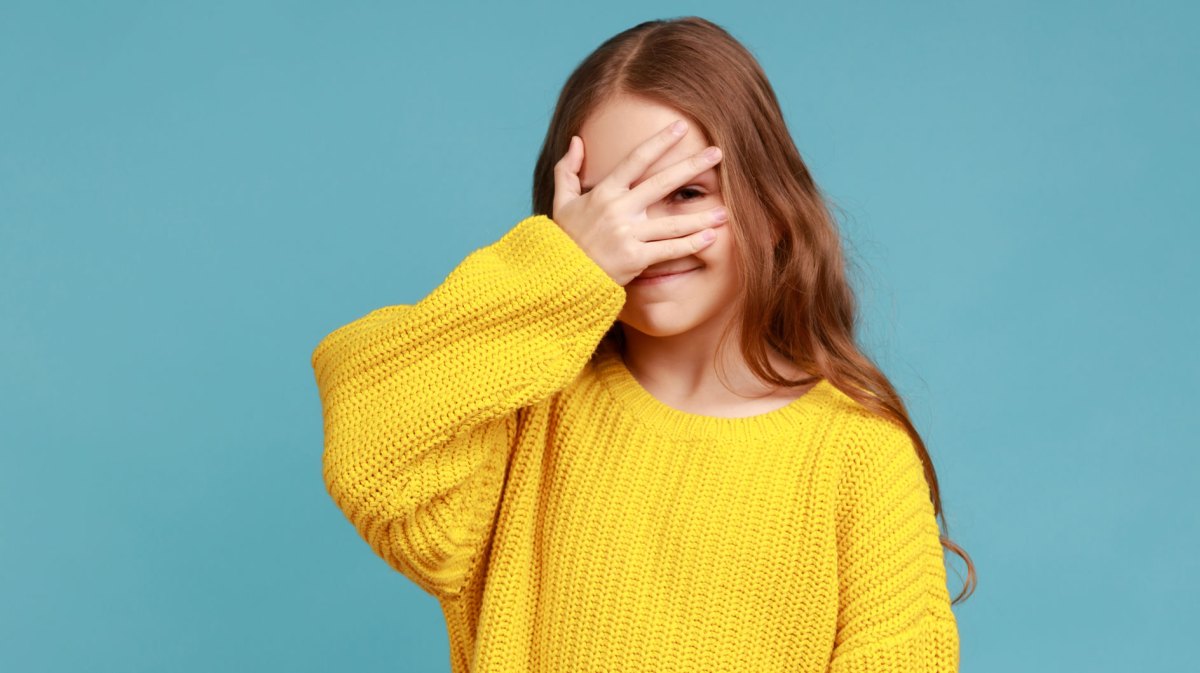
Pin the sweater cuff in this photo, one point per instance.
(932, 648)
(538, 244)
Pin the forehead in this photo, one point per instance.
(619, 125)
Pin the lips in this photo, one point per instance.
(662, 278)
(656, 274)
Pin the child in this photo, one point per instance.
(609, 441)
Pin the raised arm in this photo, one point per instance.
(420, 401)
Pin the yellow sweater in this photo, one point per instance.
(568, 521)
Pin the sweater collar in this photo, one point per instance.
(633, 398)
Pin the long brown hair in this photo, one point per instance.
(795, 294)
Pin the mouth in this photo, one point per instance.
(664, 278)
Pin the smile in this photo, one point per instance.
(661, 279)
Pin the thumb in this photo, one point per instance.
(566, 174)
(575, 154)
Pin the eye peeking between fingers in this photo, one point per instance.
(684, 195)
(689, 194)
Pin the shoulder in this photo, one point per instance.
(864, 439)
(853, 419)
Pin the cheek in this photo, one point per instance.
(720, 252)
(720, 272)
(721, 264)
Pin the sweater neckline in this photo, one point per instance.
(647, 409)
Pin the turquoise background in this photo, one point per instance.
(192, 195)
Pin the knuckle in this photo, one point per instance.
(608, 210)
(643, 153)
(627, 250)
(641, 257)
(660, 182)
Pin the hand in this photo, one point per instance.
(610, 223)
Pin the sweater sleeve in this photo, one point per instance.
(420, 402)
(894, 608)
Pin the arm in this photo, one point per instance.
(894, 610)
(420, 401)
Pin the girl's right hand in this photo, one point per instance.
(610, 223)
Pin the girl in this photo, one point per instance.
(635, 433)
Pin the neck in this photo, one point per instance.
(684, 368)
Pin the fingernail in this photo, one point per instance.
(708, 235)
(719, 215)
(712, 153)
(679, 127)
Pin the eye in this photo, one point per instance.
(688, 190)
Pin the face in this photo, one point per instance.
(698, 301)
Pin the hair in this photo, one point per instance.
(795, 296)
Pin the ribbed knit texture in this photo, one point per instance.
(487, 448)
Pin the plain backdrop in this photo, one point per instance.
(193, 194)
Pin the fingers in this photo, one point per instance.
(635, 164)
(669, 179)
(675, 248)
(566, 174)
(675, 226)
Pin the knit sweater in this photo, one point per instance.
(489, 446)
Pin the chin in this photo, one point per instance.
(659, 326)
(657, 333)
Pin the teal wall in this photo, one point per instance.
(192, 194)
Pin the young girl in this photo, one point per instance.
(635, 432)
